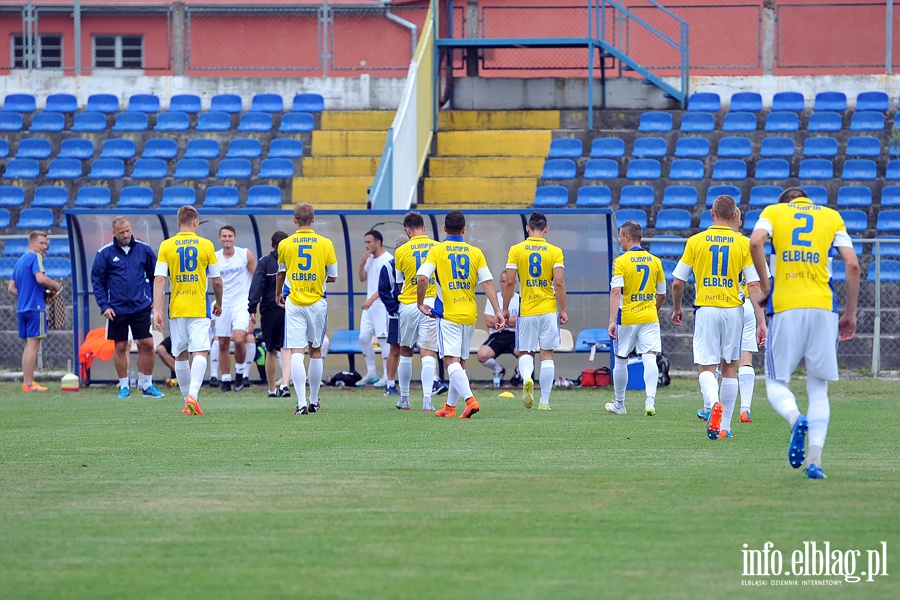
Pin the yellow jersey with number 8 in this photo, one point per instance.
(187, 257)
(304, 257)
(534, 261)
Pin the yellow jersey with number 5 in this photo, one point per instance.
(305, 258)
(534, 261)
(187, 257)
(458, 267)
(407, 259)
(717, 256)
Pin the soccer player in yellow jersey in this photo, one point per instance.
(186, 260)
(539, 266)
(804, 323)
(717, 257)
(459, 268)
(306, 260)
(415, 328)
(637, 290)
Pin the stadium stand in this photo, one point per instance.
(255, 122)
(867, 121)
(275, 168)
(856, 221)
(631, 214)
(234, 168)
(888, 221)
(643, 168)
(817, 193)
(729, 169)
(149, 168)
(714, 191)
(107, 168)
(782, 122)
(15, 247)
(886, 250)
(824, 122)
(673, 219)
(131, 121)
(820, 147)
(89, 122)
(267, 103)
(859, 169)
(204, 148)
(191, 168)
(862, 146)
(214, 120)
(816, 168)
(788, 101)
(686, 169)
(854, 196)
(888, 271)
(661, 248)
(244, 148)
(734, 147)
(34, 218)
(4, 148)
(118, 148)
(10, 122)
(892, 172)
(58, 267)
(890, 196)
(764, 195)
(836, 101)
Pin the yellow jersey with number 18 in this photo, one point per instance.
(534, 261)
(407, 259)
(187, 257)
(458, 268)
(305, 258)
(640, 274)
(717, 257)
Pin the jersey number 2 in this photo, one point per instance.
(806, 227)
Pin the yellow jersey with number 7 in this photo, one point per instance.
(305, 257)
(534, 261)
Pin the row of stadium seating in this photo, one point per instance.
(171, 121)
(29, 219)
(54, 267)
(138, 196)
(788, 101)
(151, 104)
(163, 148)
(148, 168)
(19, 246)
(774, 122)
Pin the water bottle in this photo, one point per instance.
(132, 379)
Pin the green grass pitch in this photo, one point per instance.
(106, 498)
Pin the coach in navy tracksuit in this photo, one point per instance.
(121, 276)
(389, 292)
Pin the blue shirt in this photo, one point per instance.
(31, 293)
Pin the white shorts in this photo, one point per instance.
(748, 336)
(802, 333)
(189, 333)
(642, 338)
(233, 318)
(454, 339)
(304, 325)
(374, 321)
(416, 328)
(538, 332)
(717, 334)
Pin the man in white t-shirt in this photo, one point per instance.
(236, 266)
(374, 319)
(499, 342)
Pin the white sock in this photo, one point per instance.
(198, 370)
(782, 400)
(183, 375)
(144, 381)
(385, 350)
(818, 414)
(368, 352)
(491, 364)
(298, 374)
(429, 366)
(404, 374)
(548, 374)
(249, 359)
(214, 359)
(709, 387)
(452, 396)
(746, 379)
(729, 395)
(651, 374)
(620, 380)
(316, 368)
(123, 382)
(526, 366)
(459, 380)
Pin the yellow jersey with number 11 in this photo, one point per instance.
(407, 260)
(717, 257)
(534, 261)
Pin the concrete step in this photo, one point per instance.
(475, 120)
(357, 120)
(340, 166)
(494, 143)
(330, 190)
(349, 143)
(510, 166)
(486, 192)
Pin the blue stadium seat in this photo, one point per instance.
(700, 122)
(130, 121)
(679, 196)
(186, 103)
(643, 168)
(4, 148)
(706, 219)
(22, 168)
(227, 103)
(221, 196)
(692, 147)
(7, 264)
(57, 267)
(297, 122)
(764, 195)
(888, 272)
(64, 103)
(191, 168)
(346, 341)
(729, 169)
(285, 148)
(674, 219)
(172, 120)
(311, 103)
(276, 168)
(234, 168)
(202, 148)
(565, 148)
(661, 247)
(178, 195)
(601, 168)
(135, 196)
(150, 168)
(705, 101)
(244, 148)
(11, 195)
(820, 147)
(4, 219)
(118, 148)
(48, 122)
(890, 248)
(58, 249)
(838, 271)
(636, 195)
(80, 148)
(817, 193)
(35, 218)
(655, 122)
(610, 147)
(15, 247)
(867, 121)
(50, 196)
(890, 196)
(551, 196)
(824, 122)
(863, 146)
(714, 191)
(859, 169)
(686, 169)
(836, 101)
(738, 122)
(263, 196)
(746, 101)
(558, 168)
(734, 147)
(877, 101)
(10, 121)
(107, 168)
(20, 103)
(854, 196)
(164, 148)
(888, 221)
(750, 219)
(267, 103)
(777, 147)
(145, 103)
(650, 147)
(668, 266)
(93, 196)
(102, 103)
(255, 121)
(214, 121)
(857, 221)
(816, 168)
(89, 122)
(632, 214)
(36, 148)
(892, 171)
(782, 122)
(593, 196)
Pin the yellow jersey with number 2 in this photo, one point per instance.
(306, 257)
(534, 261)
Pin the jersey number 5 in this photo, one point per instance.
(304, 258)
(187, 258)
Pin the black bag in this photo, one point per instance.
(345, 378)
(662, 363)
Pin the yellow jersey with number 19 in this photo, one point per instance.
(639, 274)
(534, 261)
(458, 267)
(717, 257)
(305, 258)
(187, 257)
(407, 259)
